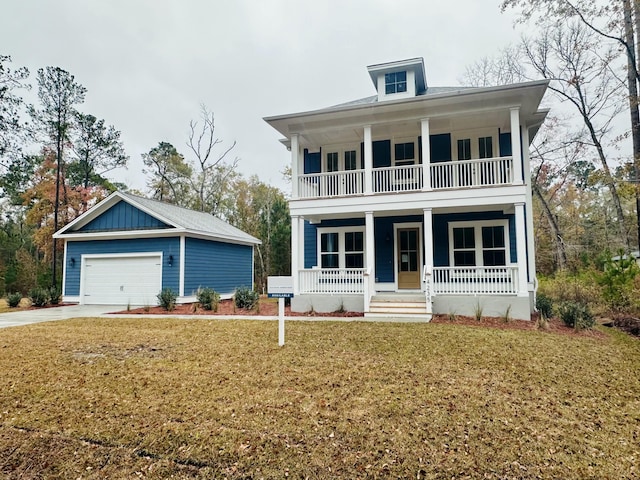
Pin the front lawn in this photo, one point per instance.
(151, 398)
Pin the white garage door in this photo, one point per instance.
(130, 280)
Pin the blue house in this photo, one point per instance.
(415, 200)
(127, 248)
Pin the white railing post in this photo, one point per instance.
(516, 151)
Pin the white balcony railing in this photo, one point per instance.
(472, 173)
(331, 184)
(397, 179)
(408, 178)
(332, 280)
(475, 280)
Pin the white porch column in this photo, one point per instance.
(370, 263)
(529, 202)
(295, 258)
(428, 237)
(521, 249)
(516, 151)
(182, 265)
(426, 155)
(368, 161)
(295, 158)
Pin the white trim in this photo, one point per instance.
(156, 233)
(478, 238)
(402, 140)
(64, 270)
(400, 226)
(341, 246)
(183, 250)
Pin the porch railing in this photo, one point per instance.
(397, 179)
(332, 280)
(475, 280)
(472, 173)
(331, 184)
(408, 178)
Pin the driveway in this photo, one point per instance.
(25, 317)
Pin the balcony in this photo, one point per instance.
(479, 173)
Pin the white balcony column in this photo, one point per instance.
(516, 151)
(295, 159)
(296, 245)
(370, 262)
(368, 161)
(426, 155)
(428, 236)
(521, 250)
(528, 214)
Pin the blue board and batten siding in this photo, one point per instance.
(123, 216)
(168, 246)
(221, 266)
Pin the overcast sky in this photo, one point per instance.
(149, 64)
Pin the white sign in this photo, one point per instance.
(280, 287)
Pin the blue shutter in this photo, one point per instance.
(382, 153)
(440, 146)
(504, 141)
(312, 162)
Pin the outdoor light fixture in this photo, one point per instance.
(72, 262)
(171, 260)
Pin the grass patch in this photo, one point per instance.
(4, 307)
(121, 398)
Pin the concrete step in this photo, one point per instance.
(401, 317)
(398, 297)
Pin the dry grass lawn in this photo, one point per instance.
(158, 398)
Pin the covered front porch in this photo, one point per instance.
(454, 260)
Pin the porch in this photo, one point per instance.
(477, 173)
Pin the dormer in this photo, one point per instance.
(397, 80)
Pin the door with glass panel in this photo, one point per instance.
(408, 246)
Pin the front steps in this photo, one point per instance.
(399, 305)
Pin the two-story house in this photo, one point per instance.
(416, 200)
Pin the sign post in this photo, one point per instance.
(280, 288)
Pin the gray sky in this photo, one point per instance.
(149, 64)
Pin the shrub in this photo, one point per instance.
(13, 299)
(617, 281)
(54, 295)
(208, 298)
(167, 299)
(246, 298)
(544, 305)
(39, 296)
(576, 315)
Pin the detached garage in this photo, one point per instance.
(127, 248)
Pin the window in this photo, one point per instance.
(395, 82)
(405, 153)
(332, 162)
(329, 256)
(341, 247)
(485, 147)
(354, 249)
(464, 149)
(350, 161)
(479, 244)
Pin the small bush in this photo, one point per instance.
(544, 305)
(13, 299)
(167, 299)
(246, 298)
(208, 298)
(54, 295)
(576, 315)
(39, 297)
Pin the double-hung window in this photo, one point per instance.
(350, 160)
(477, 244)
(405, 153)
(341, 247)
(485, 147)
(395, 82)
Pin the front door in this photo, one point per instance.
(408, 243)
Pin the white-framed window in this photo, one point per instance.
(395, 82)
(479, 243)
(332, 162)
(341, 247)
(404, 153)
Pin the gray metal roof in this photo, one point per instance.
(374, 98)
(190, 219)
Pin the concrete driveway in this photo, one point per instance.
(25, 317)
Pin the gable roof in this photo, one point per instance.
(181, 220)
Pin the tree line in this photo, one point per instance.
(54, 166)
